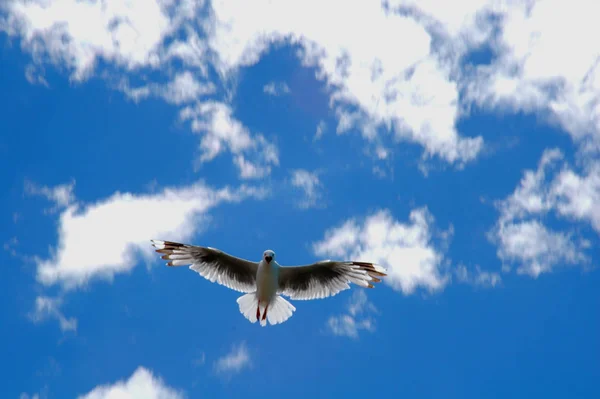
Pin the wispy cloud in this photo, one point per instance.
(254, 155)
(61, 195)
(35, 75)
(310, 184)
(184, 88)
(251, 170)
(351, 323)
(47, 307)
(477, 277)
(321, 128)
(522, 233)
(235, 361)
(142, 384)
(276, 88)
(52, 30)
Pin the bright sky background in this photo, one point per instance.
(455, 144)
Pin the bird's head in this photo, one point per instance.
(268, 256)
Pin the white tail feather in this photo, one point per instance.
(279, 309)
(248, 304)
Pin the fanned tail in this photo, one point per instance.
(278, 311)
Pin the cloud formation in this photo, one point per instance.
(477, 277)
(254, 155)
(61, 195)
(538, 68)
(276, 88)
(142, 384)
(414, 90)
(91, 244)
(183, 89)
(406, 250)
(522, 232)
(77, 35)
(235, 361)
(350, 323)
(47, 307)
(310, 184)
(401, 85)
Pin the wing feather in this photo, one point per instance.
(212, 264)
(327, 278)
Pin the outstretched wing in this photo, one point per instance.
(326, 278)
(212, 264)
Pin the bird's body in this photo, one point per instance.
(267, 276)
(264, 282)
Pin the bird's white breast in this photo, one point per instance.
(267, 280)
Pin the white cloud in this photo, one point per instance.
(538, 248)
(78, 34)
(477, 277)
(184, 88)
(137, 35)
(92, 245)
(578, 196)
(351, 323)
(27, 396)
(221, 131)
(396, 84)
(310, 184)
(413, 89)
(250, 170)
(276, 89)
(531, 196)
(61, 195)
(235, 361)
(46, 307)
(142, 384)
(554, 188)
(405, 249)
(346, 325)
(321, 127)
(35, 75)
(376, 80)
(539, 68)
(412, 86)
(192, 51)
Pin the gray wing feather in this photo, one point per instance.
(212, 264)
(326, 278)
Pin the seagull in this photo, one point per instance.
(264, 282)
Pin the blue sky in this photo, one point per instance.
(464, 160)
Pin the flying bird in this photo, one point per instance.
(264, 282)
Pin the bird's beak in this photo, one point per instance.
(268, 259)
